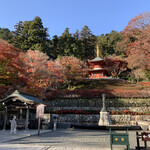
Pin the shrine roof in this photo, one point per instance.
(98, 69)
(22, 97)
(96, 59)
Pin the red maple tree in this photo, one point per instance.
(137, 44)
(9, 64)
(73, 69)
(40, 73)
(115, 65)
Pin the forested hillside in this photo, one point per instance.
(36, 62)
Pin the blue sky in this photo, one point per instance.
(101, 16)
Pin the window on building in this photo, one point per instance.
(101, 74)
(93, 74)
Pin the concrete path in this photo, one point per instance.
(62, 139)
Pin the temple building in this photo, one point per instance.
(18, 104)
(97, 67)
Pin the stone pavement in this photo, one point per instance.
(5, 136)
(62, 139)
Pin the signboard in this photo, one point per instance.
(145, 136)
(40, 111)
(119, 139)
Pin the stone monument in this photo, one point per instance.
(104, 115)
(13, 125)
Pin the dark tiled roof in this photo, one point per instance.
(23, 97)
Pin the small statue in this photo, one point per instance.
(13, 125)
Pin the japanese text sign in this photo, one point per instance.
(40, 111)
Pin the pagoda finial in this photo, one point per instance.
(97, 50)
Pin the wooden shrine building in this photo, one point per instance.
(18, 104)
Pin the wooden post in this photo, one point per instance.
(145, 144)
(39, 122)
(5, 119)
(39, 114)
(137, 139)
(20, 113)
(27, 119)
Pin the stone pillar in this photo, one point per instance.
(55, 122)
(5, 119)
(27, 119)
(104, 119)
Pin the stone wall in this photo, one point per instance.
(136, 105)
(94, 118)
(96, 104)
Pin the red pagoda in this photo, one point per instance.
(97, 68)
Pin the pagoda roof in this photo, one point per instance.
(96, 59)
(96, 69)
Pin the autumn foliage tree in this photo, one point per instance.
(40, 73)
(34, 72)
(136, 45)
(56, 77)
(73, 69)
(115, 65)
(9, 64)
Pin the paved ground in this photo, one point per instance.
(65, 139)
(5, 136)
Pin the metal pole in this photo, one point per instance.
(5, 120)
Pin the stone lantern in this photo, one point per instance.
(104, 115)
